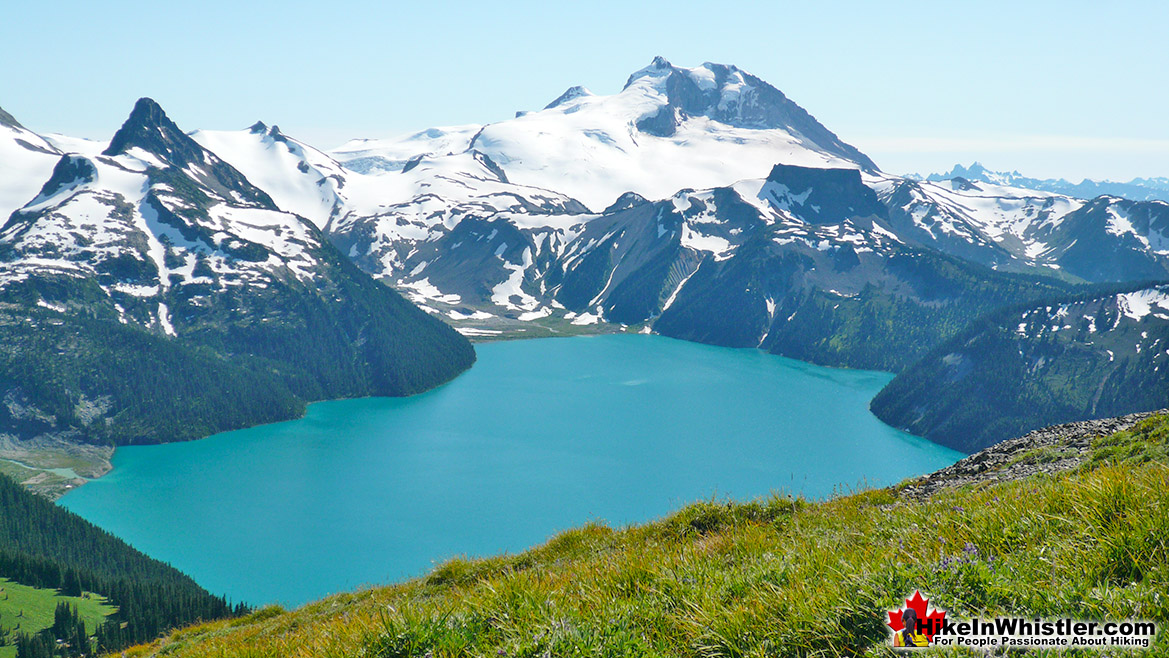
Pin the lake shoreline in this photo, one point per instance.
(53, 486)
(539, 436)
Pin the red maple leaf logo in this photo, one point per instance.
(930, 618)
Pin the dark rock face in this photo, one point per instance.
(662, 124)
(1089, 250)
(150, 129)
(71, 170)
(834, 194)
(1063, 447)
(7, 119)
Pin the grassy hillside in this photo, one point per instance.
(770, 577)
(29, 610)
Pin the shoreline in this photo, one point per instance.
(37, 463)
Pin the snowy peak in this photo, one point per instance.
(299, 178)
(733, 97)
(150, 136)
(150, 129)
(1137, 189)
(670, 128)
(572, 93)
(26, 160)
(71, 172)
(977, 172)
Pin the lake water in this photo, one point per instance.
(539, 436)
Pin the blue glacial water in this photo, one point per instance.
(539, 436)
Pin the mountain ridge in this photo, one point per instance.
(1137, 189)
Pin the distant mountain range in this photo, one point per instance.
(699, 203)
(1137, 189)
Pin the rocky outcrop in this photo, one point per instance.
(1048, 450)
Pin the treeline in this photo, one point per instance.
(243, 358)
(42, 545)
(66, 638)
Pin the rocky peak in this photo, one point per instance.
(572, 93)
(822, 196)
(7, 119)
(733, 97)
(149, 128)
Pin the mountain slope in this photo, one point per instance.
(802, 263)
(1028, 365)
(160, 244)
(1105, 239)
(299, 178)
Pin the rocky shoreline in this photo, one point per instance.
(1048, 450)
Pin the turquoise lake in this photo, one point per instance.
(539, 436)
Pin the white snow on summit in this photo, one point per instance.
(589, 147)
(299, 178)
(26, 162)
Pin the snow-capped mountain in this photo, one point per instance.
(493, 221)
(1012, 228)
(519, 220)
(669, 128)
(299, 178)
(698, 203)
(1137, 189)
(156, 245)
(156, 211)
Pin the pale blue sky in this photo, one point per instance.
(1067, 89)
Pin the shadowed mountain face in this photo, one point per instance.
(7, 119)
(1021, 367)
(150, 130)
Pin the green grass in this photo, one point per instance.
(774, 577)
(29, 610)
